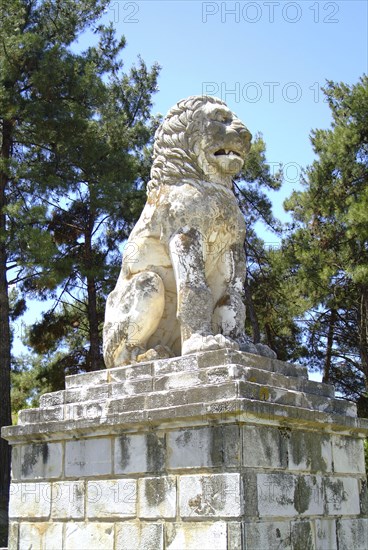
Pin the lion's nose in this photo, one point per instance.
(242, 130)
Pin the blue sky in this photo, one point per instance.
(266, 59)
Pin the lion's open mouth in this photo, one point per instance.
(226, 152)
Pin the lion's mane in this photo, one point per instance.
(175, 138)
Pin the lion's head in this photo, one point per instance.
(200, 139)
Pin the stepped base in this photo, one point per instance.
(216, 450)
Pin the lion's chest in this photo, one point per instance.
(211, 209)
(212, 212)
(224, 226)
(219, 211)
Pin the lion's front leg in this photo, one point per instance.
(229, 313)
(195, 300)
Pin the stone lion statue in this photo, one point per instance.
(181, 282)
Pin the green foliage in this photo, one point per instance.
(271, 299)
(26, 388)
(80, 132)
(49, 100)
(329, 246)
(278, 302)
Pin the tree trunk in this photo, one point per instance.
(363, 332)
(95, 360)
(252, 314)
(269, 336)
(94, 354)
(5, 345)
(330, 338)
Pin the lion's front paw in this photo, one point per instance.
(198, 342)
(159, 352)
(245, 344)
(266, 351)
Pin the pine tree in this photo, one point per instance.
(92, 208)
(269, 285)
(330, 244)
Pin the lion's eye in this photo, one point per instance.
(224, 118)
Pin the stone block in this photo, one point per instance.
(341, 496)
(88, 457)
(189, 448)
(176, 364)
(93, 536)
(309, 451)
(263, 392)
(303, 535)
(270, 535)
(178, 380)
(37, 416)
(89, 410)
(348, 455)
(111, 498)
(131, 387)
(232, 357)
(250, 497)
(352, 534)
(286, 495)
(98, 393)
(223, 374)
(213, 393)
(37, 461)
(157, 497)
(74, 395)
(68, 500)
(343, 407)
(276, 494)
(288, 369)
(13, 542)
(87, 379)
(139, 453)
(195, 536)
(140, 536)
(234, 536)
(203, 447)
(30, 500)
(308, 495)
(52, 414)
(134, 372)
(325, 534)
(363, 496)
(126, 404)
(264, 447)
(213, 495)
(43, 536)
(165, 399)
(130, 454)
(52, 399)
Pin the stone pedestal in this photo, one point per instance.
(217, 450)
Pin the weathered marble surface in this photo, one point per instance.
(181, 282)
(218, 450)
